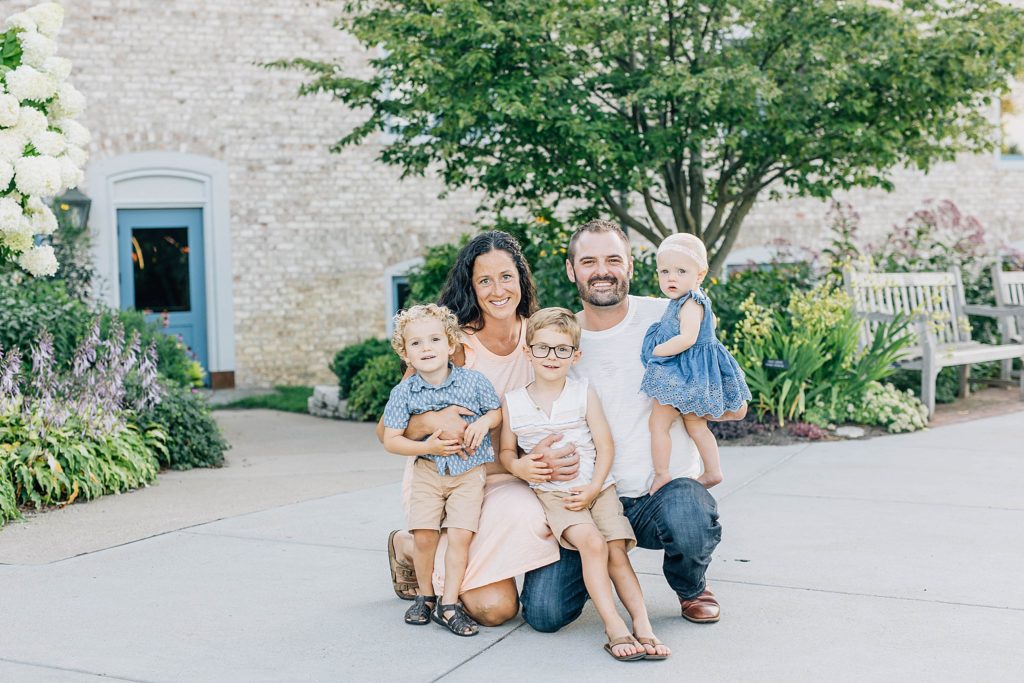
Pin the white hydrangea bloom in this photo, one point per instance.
(22, 21)
(43, 221)
(6, 173)
(27, 83)
(76, 134)
(11, 216)
(38, 176)
(31, 122)
(49, 143)
(19, 241)
(35, 48)
(58, 67)
(48, 16)
(9, 109)
(78, 155)
(69, 103)
(39, 261)
(12, 145)
(71, 174)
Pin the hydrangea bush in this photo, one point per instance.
(42, 147)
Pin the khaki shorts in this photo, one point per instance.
(605, 513)
(454, 500)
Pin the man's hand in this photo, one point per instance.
(436, 445)
(563, 461)
(582, 498)
(531, 468)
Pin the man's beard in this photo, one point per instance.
(603, 297)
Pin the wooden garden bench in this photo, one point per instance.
(941, 333)
(1009, 289)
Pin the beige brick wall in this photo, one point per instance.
(313, 232)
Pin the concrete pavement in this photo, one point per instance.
(894, 558)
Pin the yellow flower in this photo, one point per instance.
(543, 253)
(542, 221)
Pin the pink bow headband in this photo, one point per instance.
(674, 246)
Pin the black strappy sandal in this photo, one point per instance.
(419, 613)
(459, 623)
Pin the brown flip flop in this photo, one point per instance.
(653, 642)
(403, 577)
(625, 640)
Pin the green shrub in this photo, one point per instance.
(193, 438)
(29, 306)
(773, 286)
(372, 386)
(350, 360)
(8, 501)
(173, 358)
(815, 341)
(65, 463)
(885, 405)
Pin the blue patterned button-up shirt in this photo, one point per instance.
(464, 387)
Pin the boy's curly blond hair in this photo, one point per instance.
(448, 321)
(561, 319)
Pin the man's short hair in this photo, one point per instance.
(448, 321)
(596, 225)
(562, 319)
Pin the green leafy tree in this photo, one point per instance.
(672, 116)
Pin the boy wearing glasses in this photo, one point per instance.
(584, 514)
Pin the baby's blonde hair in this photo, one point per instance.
(687, 244)
(561, 319)
(419, 312)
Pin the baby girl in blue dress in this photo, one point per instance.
(688, 371)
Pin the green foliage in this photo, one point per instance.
(64, 464)
(30, 305)
(174, 361)
(193, 439)
(350, 360)
(815, 340)
(372, 386)
(887, 406)
(285, 398)
(425, 283)
(672, 117)
(773, 286)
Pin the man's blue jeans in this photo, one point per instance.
(681, 519)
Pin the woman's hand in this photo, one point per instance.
(563, 461)
(474, 434)
(531, 468)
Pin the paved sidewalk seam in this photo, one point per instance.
(72, 670)
(891, 500)
(477, 654)
(862, 595)
(770, 469)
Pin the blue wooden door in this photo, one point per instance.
(160, 256)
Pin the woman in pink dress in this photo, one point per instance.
(491, 291)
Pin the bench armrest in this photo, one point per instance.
(995, 311)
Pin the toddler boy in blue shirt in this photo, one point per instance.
(445, 486)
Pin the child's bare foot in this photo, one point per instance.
(624, 647)
(659, 481)
(710, 478)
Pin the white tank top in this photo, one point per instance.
(568, 417)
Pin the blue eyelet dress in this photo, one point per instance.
(704, 379)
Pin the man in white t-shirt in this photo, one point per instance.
(682, 517)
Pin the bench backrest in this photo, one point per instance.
(939, 295)
(1009, 289)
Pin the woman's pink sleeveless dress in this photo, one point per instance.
(513, 537)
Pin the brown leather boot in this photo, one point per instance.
(703, 609)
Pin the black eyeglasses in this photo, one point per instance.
(562, 351)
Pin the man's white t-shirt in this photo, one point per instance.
(611, 361)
